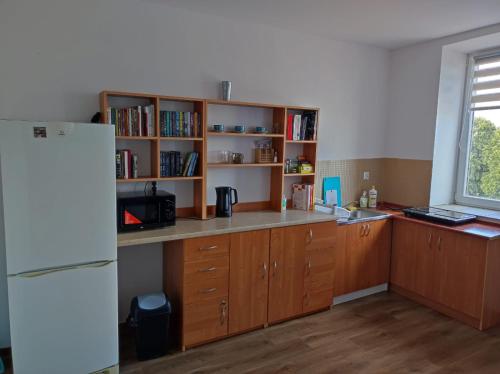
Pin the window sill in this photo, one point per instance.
(486, 214)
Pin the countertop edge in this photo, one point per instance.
(227, 230)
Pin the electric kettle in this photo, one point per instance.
(224, 203)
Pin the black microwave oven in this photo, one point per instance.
(142, 211)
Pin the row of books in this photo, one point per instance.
(173, 164)
(186, 124)
(126, 164)
(302, 126)
(303, 196)
(133, 121)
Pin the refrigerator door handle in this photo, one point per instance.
(40, 273)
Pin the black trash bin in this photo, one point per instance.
(150, 317)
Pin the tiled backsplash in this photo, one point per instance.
(400, 181)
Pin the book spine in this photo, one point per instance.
(134, 166)
(118, 161)
(289, 129)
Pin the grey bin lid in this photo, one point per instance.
(151, 301)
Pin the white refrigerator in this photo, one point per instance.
(58, 204)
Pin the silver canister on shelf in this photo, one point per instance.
(226, 90)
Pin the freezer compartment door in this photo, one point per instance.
(65, 321)
(59, 194)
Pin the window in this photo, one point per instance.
(479, 164)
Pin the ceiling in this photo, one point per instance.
(383, 23)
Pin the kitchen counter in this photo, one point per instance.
(481, 229)
(247, 221)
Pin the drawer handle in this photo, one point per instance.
(213, 268)
(429, 241)
(439, 243)
(275, 267)
(369, 229)
(210, 248)
(208, 290)
(309, 267)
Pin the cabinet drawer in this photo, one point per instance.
(206, 247)
(317, 299)
(205, 320)
(207, 289)
(201, 271)
(321, 235)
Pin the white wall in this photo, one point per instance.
(4, 307)
(56, 55)
(413, 95)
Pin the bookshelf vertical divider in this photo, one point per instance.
(201, 106)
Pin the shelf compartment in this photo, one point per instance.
(244, 103)
(245, 134)
(185, 138)
(247, 165)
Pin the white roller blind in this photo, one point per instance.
(486, 83)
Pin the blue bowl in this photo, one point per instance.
(260, 130)
(218, 128)
(239, 128)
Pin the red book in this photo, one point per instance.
(289, 129)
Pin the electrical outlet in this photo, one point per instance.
(366, 175)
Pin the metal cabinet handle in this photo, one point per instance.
(208, 290)
(362, 231)
(213, 268)
(210, 248)
(275, 268)
(369, 229)
(264, 270)
(439, 243)
(310, 235)
(223, 311)
(429, 241)
(309, 267)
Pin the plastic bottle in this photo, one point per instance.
(372, 198)
(363, 200)
(283, 203)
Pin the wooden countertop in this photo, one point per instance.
(247, 221)
(482, 229)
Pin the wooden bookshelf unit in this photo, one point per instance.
(157, 143)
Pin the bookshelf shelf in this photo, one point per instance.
(136, 138)
(247, 165)
(302, 141)
(180, 178)
(298, 174)
(151, 152)
(181, 138)
(137, 180)
(245, 135)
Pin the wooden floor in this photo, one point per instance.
(383, 333)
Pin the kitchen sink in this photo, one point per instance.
(361, 215)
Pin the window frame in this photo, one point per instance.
(464, 143)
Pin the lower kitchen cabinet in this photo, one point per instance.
(362, 256)
(248, 280)
(227, 284)
(455, 273)
(302, 266)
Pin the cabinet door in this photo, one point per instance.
(376, 258)
(404, 254)
(286, 279)
(248, 280)
(459, 271)
(319, 266)
(349, 258)
(425, 261)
